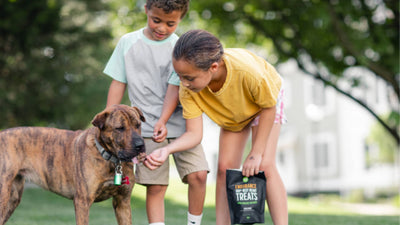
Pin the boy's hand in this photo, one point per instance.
(156, 158)
(160, 132)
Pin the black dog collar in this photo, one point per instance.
(106, 155)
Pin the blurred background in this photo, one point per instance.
(339, 60)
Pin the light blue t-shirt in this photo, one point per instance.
(146, 67)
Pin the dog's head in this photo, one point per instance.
(119, 127)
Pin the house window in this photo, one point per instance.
(281, 157)
(319, 100)
(318, 94)
(321, 155)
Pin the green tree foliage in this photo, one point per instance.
(326, 38)
(126, 16)
(52, 56)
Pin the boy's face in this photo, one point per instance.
(161, 25)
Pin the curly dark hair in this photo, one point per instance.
(169, 5)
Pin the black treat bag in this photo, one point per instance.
(246, 197)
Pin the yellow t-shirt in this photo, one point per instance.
(251, 84)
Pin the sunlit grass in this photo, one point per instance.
(39, 207)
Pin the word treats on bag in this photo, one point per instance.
(246, 197)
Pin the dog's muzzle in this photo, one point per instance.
(137, 148)
(139, 145)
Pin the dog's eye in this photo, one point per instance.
(120, 129)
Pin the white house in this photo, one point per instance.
(323, 147)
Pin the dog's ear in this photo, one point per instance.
(140, 113)
(100, 119)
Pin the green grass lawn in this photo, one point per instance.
(39, 207)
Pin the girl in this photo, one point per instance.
(240, 92)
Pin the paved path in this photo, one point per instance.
(371, 209)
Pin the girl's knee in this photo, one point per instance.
(221, 173)
(269, 169)
(225, 165)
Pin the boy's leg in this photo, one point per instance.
(197, 191)
(155, 203)
(276, 193)
(231, 148)
(156, 182)
(196, 195)
(193, 169)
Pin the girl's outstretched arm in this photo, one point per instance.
(188, 140)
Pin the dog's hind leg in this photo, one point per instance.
(10, 197)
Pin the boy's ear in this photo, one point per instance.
(145, 8)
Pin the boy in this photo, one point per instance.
(142, 62)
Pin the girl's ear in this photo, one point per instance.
(214, 67)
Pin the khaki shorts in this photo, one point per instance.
(187, 162)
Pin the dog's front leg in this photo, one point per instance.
(82, 205)
(122, 209)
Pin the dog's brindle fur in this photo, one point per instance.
(69, 164)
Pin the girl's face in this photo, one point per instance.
(161, 25)
(192, 77)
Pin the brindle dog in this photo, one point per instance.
(70, 164)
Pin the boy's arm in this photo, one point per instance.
(170, 102)
(115, 93)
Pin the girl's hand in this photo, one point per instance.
(160, 132)
(156, 158)
(251, 165)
